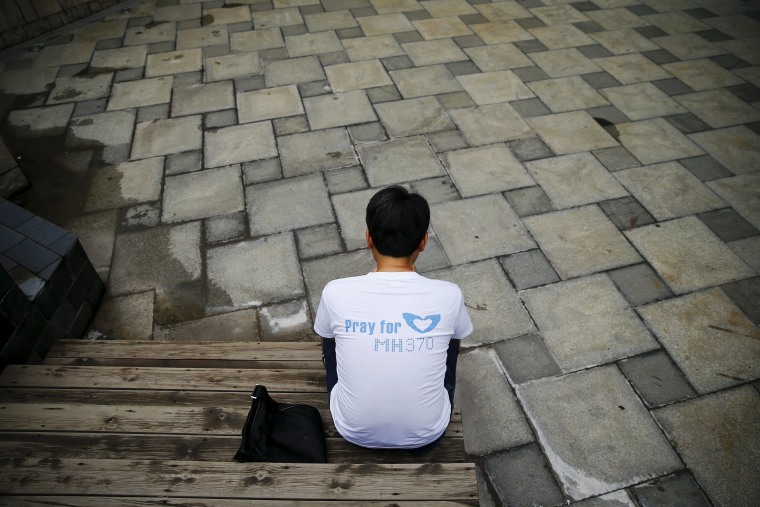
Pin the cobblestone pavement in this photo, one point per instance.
(593, 173)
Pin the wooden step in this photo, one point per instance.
(88, 501)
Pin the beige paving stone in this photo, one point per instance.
(687, 255)
(201, 37)
(502, 11)
(313, 43)
(571, 132)
(430, 80)
(742, 193)
(736, 148)
(93, 32)
(575, 180)
(120, 58)
(256, 40)
(276, 18)
(202, 98)
(357, 75)
(559, 14)
(750, 74)
(293, 71)
(561, 36)
(335, 20)
(688, 46)
(675, 22)
(316, 151)
(616, 19)
(498, 32)
(40, 121)
(485, 170)
(239, 143)
(202, 194)
(623, 42)
(124, 184)
(231, 66)
(498, 57)
(490, 124)
(431, 52)
(478, 228)
(126, 317)
(493, 87)
(413, 116)
(354, 106)
(391, 6)
(669, 190)
(642, 101)
(564, 62)
(76, 89)
(140, 93)
(238, 326)
(746, 49)
(384, 24)
(27, 81)
(633, 68)
(567, 94)
(269, 103)
(399, 161)
(712, 341)
(702, 74)
(64, 54)
(162, 137)
(738, 26)
(719, 108)
(370, 48)
(173, 62)
(177, 12)
(225, 15)
(160, 32)
(447, 8)
(653, 141)
(580, 241)
(103, 129)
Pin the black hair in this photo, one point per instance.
(397, 221)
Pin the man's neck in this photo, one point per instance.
(394, 264)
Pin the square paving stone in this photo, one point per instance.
(318, 272)
(357, 75)
(703, 74)
(447, 141)
(257, 40)
(202, 98)
(498, 32)
(239, 143)
(225, 227)
(96, 233)
(494, 306)
(624, 41)
(345, 180)
(596, 433)
(479, 228)
(679, 490)
(318, 241)
(434, 52)
(529, 201)
(261, 170)
(126, 183)
(76, 89)
(718, 438)
(616, 158)
(334, 20)
(571, 132)
(737, 148)
(271, 18)
(670, 249)
(642, 101)
(125, 318)
(498, 57)
(399, 160)
(316, 151)
(143, 92)
(201, 37)
(491, 416)
(436, 190)
(64, 54)
(490, 124)
(233, 326)
(728, 225)
(162, 137)
(226, 15)
(430, 80)
(120, 58)
(370, 48)
(526, 358)
(413, 116)
(367, 133)
(580, 241)
(620, 498)
(28, 81)
(174, 62)
(633, 68)
(293, 71)
(252, 273)
(160, 32)
(748, 250)
(384, 24)
(564, 62)
(656, 379)
(711, 340)
(220, 68)
(202, 194)
(742, 193)
(639, 284)
(567, 94)
(574, 180)
(308, 204)
(269, 103)
(586, 322)
(313, 43)
(455, 100)
(529, 269)
(290, 125)
(354, 107)
(653, 141)
(350, 209)
(719, 108)
(668, 190)
(136, 266)
(493, 87)
(485, 170)
(522, 478)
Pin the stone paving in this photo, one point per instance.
(594, 174)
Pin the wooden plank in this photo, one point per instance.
(208, 379)
(450, 481)
(262, 351)
(104, 501)
(187, 363)
(58, 445)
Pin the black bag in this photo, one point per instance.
(281, 432)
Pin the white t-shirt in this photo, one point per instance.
(392, 332)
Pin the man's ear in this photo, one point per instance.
(423, 243)
(370, 244)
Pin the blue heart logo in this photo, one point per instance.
(414, 321)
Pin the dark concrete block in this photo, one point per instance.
(468, 41)
(12, 215)
(528, 74)
(63, 245)
(397, 62)
(657, 380)
(529, 148)
(529, 269)
(616, 158)
(748, 93)
(589, 27)
(14, 305)
(529, 201)
(526, 358)
(32, 255)
(585, 6)
(660, 56)
(728, 225)
(76, 258)
(598, 80)
(714, 35)
(528, 108)
(22, 342)
(521, 477)
(54, 291)
(529, 23)
(530, 46)
(672, 86)
(417, 15)
(641, 10)
(462, 68)
(404, 37)
(746, 295)
(640, 284)
(730, 62)
(650, 31)
(41, 231)
(9, 238)
(363, 12)
(705, 168)
(687, 123)
(595, 51)
(626, 213)
(79, 326)
(680, 490)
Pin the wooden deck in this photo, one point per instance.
(111, 423)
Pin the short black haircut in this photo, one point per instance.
(397, 221)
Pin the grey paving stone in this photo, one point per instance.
(155, 112)
(680, 490)
(717, 436)
(719, 108)
(293, 71)
(625, 446)
(485, 498)
(383, 47)
(529, 201)
(599, 80)
(672, 86)
(748, 250)
(42, 121)
(687, 123)
(626, 213)
(286, 322)
(218, 119)
(345, 180)
(239, 143)
(399, 160)
(318, 272)
(202, 98)
(335, 20)
(478, 228)
(656, 379)
(253, 273)
(434, 52)
(492, 303)
(354, 106)
(173, 62)
(224, 67)
(429, 80)
(529, 269)
(140, 216)
(350, 210)
(487, 169)
(90, 107)
(571, 132)
(185, 162)
(669, 248)
(202, 194)
(734, 147)
(616, 158)
(413, 116)
(314, 88)
(316, 151)
(137, 268)
(75, 88)
(383, 94)
(490, 124)
(529, 148)
(741, 192)
(491, 416)
(159, 32)
(433, 258)
(640, 284)
(446, 141)
(125, 184)
(261, 170)
(620, 498)
(369, 132)
(162, 137)
(728, 225)
(240, 326)
(436, 190)
(269, 103)
(256, 40)
(526, 358)
(654, 141)
(308, 204)
(455, 100)
(521, 477)
(318, 241)
(494, 87)
(96, 233)
(290, 125)
(125, 318)
(746, 295)
(357, 75)
(144, 92)
(225, 227)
